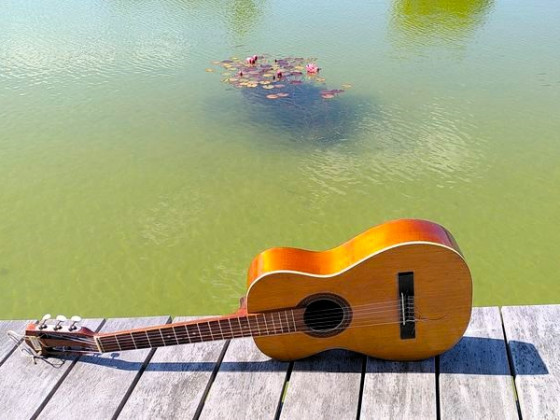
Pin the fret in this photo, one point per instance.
(169, 336)
(245, 327)
(181, 336)
(117, 339)
(99, 345)
(231, 328)
(194, 333)
(155, 337)
(226, 327)
(258, 325)
(139, 339)
(280, 319)
(287, 322)
(107, 343)
(210, 329)
(215, 330)
(133, 342)
(199, 332)
(125, 341)
(273, 326)
(204, 331)
(265, 324)
(234, 330)
(148, 338)
(221, 331)
(254, 318)
(293, 319)
(240, 327)
(175, 334)
(162, 338)
(185, 334)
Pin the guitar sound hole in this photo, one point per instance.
(323, 315)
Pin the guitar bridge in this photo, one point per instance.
(406, 298)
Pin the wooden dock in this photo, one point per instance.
(506, 367)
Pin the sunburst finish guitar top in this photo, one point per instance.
(399, 291)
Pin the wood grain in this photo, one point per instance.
(399, 390)
(248, 384)
(475, 379)
(326, 386)
(442, 287)
(180, 375)
(25, 385)
(533, 337)
(97, 385)
(6, 344)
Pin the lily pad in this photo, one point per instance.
(272, 96)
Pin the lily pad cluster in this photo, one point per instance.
(276, 78)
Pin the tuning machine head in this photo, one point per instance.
(73, 321)
(59, 320)
(43, 322)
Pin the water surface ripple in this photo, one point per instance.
(135, 183)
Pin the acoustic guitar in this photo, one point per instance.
(399, 291)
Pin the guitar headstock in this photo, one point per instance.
(59, 336)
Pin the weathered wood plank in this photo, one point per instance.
(6, 344)
(248, 384)
(180, 375)
(325, 386)
(399, 390)
(25, 385)
(475, 379)
(533, 334)
(96, 386)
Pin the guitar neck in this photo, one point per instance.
(287, 321)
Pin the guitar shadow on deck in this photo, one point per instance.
(471, 355)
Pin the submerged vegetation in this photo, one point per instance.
(290, 92)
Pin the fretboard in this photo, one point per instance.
(270, 323)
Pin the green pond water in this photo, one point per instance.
(135, 183)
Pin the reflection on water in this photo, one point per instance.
(242, 15)
(427, 21)
(133, 176)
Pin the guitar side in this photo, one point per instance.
(364, 273)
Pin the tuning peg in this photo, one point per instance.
(59, 320)
(75, 319)
(43, 321)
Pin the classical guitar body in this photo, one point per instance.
(399, 291)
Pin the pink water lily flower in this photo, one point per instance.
(252, 60)
(312, 68)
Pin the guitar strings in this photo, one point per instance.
(317, 322)
(138, 341)
(209, 337)
(379, 308)
(396, 309)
